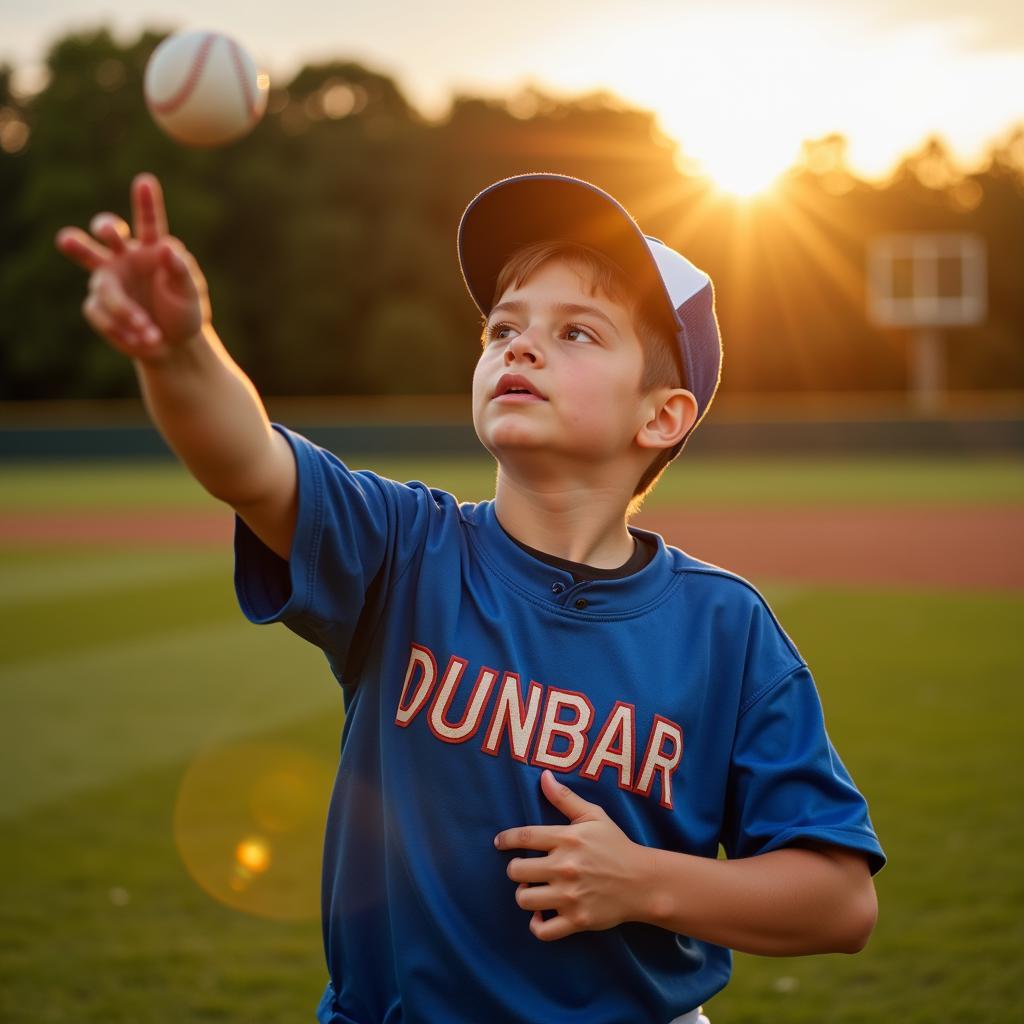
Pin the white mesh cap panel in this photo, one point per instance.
(682, 279)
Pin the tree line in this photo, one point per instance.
(328, 234)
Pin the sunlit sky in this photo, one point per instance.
(738, 84)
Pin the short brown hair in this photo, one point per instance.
(661, 362)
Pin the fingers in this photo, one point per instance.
(530, 869)
(112, 230)
(150, 226)
(108, 291)
(554, 928)
(530, 837)
(79, 247)
(173, 257)
(573, 806)
(178, 261)
(543, 898)
(538, 897)
(105, 323)
(126, 339)
(115, 316)
(148, 211)
(184, 279)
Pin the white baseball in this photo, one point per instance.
(203, 89)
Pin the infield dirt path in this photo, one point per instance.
(964, 547)
(975, 547)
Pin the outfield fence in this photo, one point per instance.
(820, 424)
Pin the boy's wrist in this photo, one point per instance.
(181, 356)
(191, 374)
(655, 900)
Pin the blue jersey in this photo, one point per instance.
(670, 697)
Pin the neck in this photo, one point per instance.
(575, 521)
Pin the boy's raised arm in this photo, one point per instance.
(148, 299)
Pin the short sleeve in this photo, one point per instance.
(354, 530)
(787, 783)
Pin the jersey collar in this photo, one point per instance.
(556, 587)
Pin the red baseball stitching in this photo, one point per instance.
(243, 79)
(168, 106)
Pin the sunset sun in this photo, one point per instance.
(742, 102)
(744, 173)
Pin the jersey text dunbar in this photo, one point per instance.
(537, 730)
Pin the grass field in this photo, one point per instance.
(704, 481)
(122, 668)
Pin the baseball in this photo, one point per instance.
(203, 89)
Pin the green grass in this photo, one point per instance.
(121, 667)
(156, 669)
(922, 697)
(106, 702)
(689, 480)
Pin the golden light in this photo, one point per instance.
(741, 168)
(253, 855)
(740, 90)
(248, 824)
(736, 91)
(744, 175)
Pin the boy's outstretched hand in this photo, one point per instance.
(589, 874)
(146, 293)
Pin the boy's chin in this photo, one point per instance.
(533, 456)
(512, 438)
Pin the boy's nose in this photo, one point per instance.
(522, 346)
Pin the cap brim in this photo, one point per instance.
(531, 208)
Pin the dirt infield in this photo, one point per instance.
(949, 546)
(963, 547)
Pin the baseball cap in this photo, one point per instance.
(527, 208)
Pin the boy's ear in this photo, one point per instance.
(674, 412)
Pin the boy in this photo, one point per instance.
(482, 648)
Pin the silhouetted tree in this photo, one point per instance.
(328, 234)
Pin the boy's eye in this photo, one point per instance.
(501, 331)
(577, 333)
(497, 332)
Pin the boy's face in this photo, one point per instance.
(579, 355)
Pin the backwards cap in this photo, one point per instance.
(528, 208)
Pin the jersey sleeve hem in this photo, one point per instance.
(849, 838)
(270, 589)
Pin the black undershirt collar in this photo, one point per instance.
(643, 551)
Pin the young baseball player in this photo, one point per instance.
(553, 719)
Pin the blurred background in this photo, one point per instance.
(851, 176)
(773, 145)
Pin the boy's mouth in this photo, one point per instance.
(516, 384)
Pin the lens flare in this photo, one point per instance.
(248, 824)
(253, 855)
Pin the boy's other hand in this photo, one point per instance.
(588, 875)
(146, 293)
